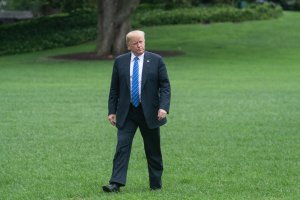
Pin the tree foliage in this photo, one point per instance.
(44, 7)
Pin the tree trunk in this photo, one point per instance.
(113, 24)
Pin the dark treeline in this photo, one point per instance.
(46, 7)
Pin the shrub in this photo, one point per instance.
(48, 32)
(78, 27)
(206, 14)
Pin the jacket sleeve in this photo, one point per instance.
(114, 91)
(164, 87)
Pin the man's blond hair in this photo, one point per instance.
(133, 33)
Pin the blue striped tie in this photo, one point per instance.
(135, 83)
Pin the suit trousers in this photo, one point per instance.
(151, 138)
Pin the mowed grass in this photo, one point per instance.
(233, 130)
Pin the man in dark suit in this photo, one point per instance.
(139, 98)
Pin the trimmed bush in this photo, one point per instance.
(66, 30)
(48, 32)
(207, 15)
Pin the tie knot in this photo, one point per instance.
(136, 58)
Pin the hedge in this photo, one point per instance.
(207, 15)
(59, 31)
(48, 32)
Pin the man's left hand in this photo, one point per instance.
(161, 114)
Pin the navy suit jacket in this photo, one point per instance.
(155, 89)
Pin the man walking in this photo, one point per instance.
(139, 98)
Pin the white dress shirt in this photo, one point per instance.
(140, 61)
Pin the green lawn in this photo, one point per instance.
(233, 131)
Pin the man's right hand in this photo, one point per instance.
(112, 119)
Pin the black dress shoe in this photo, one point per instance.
(111, 188)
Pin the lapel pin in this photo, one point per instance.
(148, 60)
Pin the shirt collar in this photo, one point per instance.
(141, 57)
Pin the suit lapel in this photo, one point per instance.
(127, 70)
(146, 66)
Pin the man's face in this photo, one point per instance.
(136, 44)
